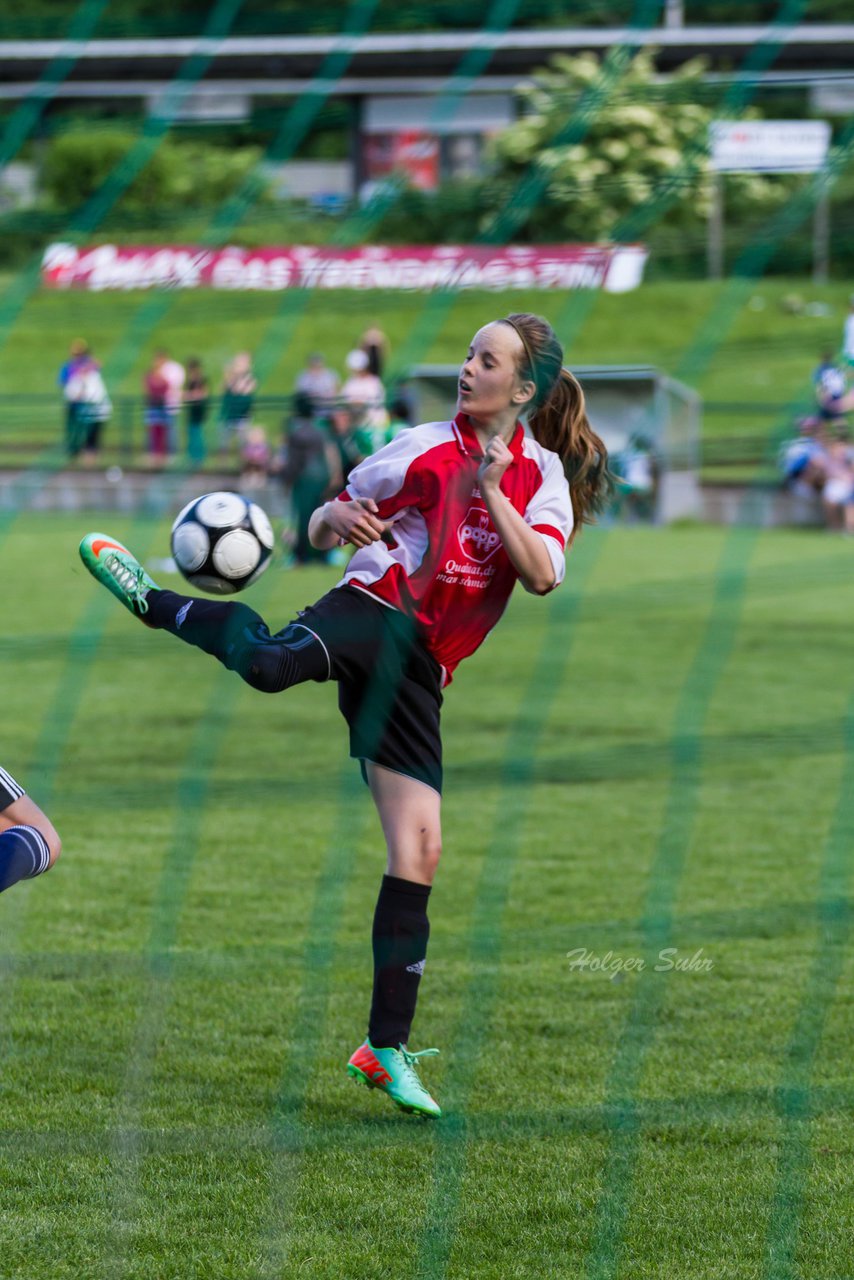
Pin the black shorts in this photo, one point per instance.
(9, 790)
(389, 686)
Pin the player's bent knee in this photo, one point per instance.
(270, 669)
(288, 658)
(54, 844)
(431, 852)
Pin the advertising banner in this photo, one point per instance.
(615, 268)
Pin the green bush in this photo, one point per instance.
(174, 176)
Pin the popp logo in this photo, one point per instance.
(477, 538)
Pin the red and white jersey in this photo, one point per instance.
(442, 562)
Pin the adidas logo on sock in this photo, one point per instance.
(418, 967)
(181, 615)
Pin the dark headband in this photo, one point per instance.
(524, 341)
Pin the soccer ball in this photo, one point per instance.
(222, 543)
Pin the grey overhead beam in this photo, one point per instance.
(718, 36)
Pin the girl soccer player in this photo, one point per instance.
(444, 520)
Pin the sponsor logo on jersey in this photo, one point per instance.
(478, 539)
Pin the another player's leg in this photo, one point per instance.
(231, 632)
(410, 815)
(29, 843)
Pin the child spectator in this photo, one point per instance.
(255, 455)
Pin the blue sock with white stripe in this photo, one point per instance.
(23, 854)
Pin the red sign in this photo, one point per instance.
(561, 266)
(411, 152)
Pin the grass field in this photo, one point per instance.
(659, 755)
(736, 342)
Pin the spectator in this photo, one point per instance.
(255, 456)
(197, 402)
(85, 390)
(77, 354)
(831, 390)
(364, 395)
(238, 397)
(155, 390)
(837, 493)
(375, 345)
(174, 373)
(343, 440)
(398, 419)
(318, 382)
(848, 334)
(312, 472)
(636, 472)
(804, 460)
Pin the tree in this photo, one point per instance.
(614, 156)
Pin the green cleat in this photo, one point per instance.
(394, 1071)
(115, 567)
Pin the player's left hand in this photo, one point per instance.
(496, 459)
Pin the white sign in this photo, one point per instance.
(836, 97)
(768, 146)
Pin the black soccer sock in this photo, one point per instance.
(24, 853)
(241, 640)
(400, 935)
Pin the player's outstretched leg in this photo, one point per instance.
(233, 633)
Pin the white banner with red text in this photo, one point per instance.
(615, 268)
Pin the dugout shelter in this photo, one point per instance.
(624, 403)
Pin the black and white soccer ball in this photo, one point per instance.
(222, 542)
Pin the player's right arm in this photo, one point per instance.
(378, 488)
(338, 521)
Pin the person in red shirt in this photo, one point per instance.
(445, 520)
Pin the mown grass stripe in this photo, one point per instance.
(795, 1098)
(193, 790)
(684, 1117)
(79, 654)
(547, 676)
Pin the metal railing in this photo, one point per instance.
(33, 425)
